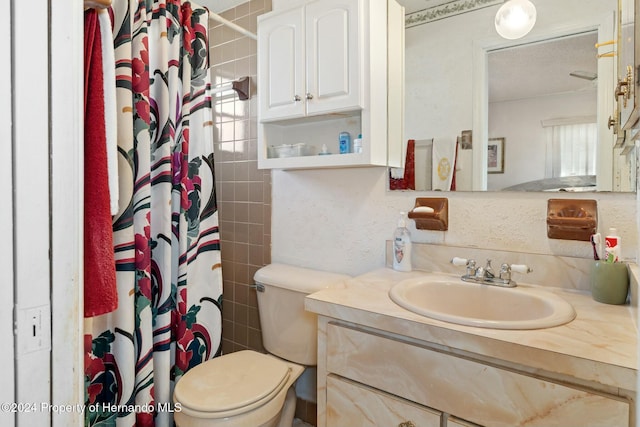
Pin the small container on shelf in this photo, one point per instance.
(288, 150)
(357, 144)
(344, 140)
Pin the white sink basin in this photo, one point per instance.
(452, 300)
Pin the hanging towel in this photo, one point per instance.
(456, 167)
(100, 294)
(405, 178)
(444, 160)
(110, 109)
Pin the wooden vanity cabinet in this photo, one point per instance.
(369, 377)
(353, 404)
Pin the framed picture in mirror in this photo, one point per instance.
(495, 156)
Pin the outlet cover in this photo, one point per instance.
(33, 329)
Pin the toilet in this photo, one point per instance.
(252, 389)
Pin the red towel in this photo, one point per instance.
(455, 165)
(100, 292)
(408, 182)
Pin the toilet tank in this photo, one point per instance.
(288, 331)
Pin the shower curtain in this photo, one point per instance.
(166, 239)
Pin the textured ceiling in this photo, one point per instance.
(542, 68)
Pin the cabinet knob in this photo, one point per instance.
(297, 98)
(407, 424)
(309, 96)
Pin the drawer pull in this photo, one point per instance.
(407, 424)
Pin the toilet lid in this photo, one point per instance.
(231, 382)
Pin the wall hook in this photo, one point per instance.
(240, 86)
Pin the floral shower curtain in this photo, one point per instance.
(166, 237)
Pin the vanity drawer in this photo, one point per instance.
(480, 393)
(354, 405)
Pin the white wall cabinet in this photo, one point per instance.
(323, 68)
(281, 67)
(312, 62)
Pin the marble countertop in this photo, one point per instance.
(599, 349)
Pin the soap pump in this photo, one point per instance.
(402, 245)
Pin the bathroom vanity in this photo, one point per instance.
(379, 364)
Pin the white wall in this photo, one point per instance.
(67, 170)
(6, 228)
(30, 62)
(339, 219)
(39, 142)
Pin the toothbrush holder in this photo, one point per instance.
(609, 282)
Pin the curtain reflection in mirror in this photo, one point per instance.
(571, 150)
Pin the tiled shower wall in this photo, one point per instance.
(243, 191)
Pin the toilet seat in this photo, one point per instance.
(231, 384)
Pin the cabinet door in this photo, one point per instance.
(354, 405)
(333, 38)
(281, 68)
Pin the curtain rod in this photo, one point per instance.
(232, 25)
(103, 4)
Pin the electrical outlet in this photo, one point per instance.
(34, 329)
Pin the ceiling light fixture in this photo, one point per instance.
(515, 19)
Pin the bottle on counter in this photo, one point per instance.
(402, 245)
(612, 248)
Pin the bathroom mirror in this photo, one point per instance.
(460, 75)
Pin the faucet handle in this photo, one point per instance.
(460, 261)
(505, 272)
(521, 268)
(469, 263)
(471, 267)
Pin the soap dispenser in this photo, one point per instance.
(402, 245)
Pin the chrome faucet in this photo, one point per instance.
(486, 276)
